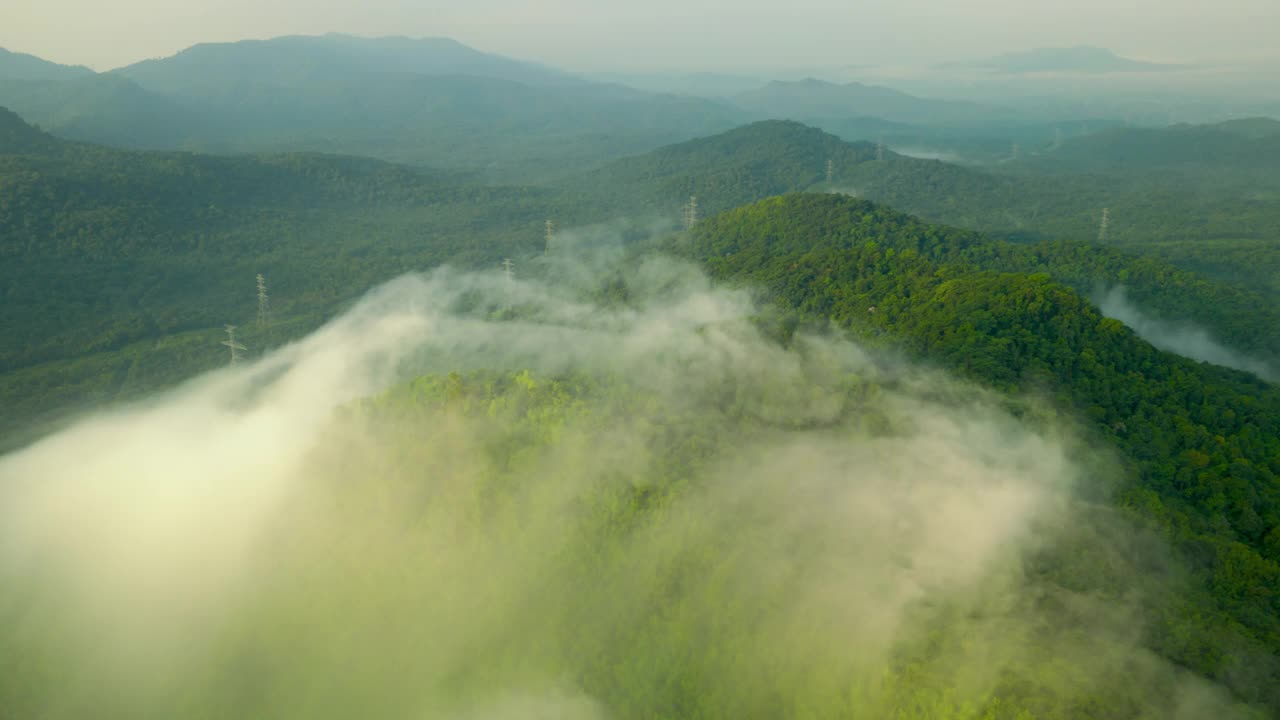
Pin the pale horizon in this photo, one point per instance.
(665, 35)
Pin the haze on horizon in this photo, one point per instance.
(665, 34)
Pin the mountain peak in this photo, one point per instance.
(1073, 59)
(291, 57)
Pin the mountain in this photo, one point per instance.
(141, 246)
(432, 102)
(119, 270)
(20, 66)
(774, 157)
(105, 109)
(1079, 59)
(816, 99)
(220, 68)
(742, 165)
(836, 257)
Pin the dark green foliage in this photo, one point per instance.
(1220, 236)
(1205, 441)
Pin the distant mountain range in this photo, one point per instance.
(1079, 59)
(302, 60)
(429, 101)
(812, 99)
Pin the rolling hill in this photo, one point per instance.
(140, 247)
(120, 268)
(1234, 156)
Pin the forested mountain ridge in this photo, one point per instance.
(725, 170)
(132, 245)
(213, 67)
(1237, 155)
(110, 234)
(1205, 441)
(775, 157)
(139, 248)
(19, 138)
(431, 102)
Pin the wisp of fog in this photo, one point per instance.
(1185, 339)
(480, 497)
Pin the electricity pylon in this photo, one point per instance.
(551, 234)
(264, 303)
(1104, 225)
(690, 212)
(235, 346)
(831, 170)
(508, 272)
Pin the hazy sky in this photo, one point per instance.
(697, 34)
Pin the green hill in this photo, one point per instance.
(1202, 440)
(147, 248)
(1239, 155)
(775, 157)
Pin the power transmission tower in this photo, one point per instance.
(551, 234)
(264, 303)
(1016, 151)
(508, 272)
(690, 212)
(831, 170)
(235, 346)
(880, 150)
(1104, 225)
(1057, 138)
